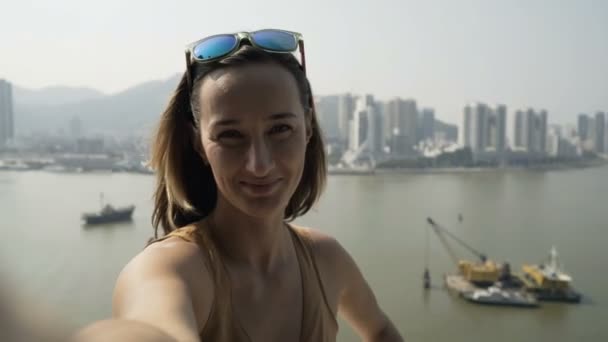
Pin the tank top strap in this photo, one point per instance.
(318, 320)
(184, 233)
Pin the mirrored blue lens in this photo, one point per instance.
(275, 40)
(215, 47)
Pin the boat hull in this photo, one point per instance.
(569, 296)
(118, 215)
(498, 297)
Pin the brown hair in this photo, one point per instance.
(185, 188)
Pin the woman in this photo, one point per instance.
(238, 154)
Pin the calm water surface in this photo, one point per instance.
(514, 216)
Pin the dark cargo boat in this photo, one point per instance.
(109, 214)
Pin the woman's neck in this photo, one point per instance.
(263, 244)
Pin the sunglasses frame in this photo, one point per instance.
(240, 38)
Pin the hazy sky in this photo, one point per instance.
(544, 54)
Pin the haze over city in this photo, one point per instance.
(444, 54)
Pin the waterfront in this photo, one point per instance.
(380, 219)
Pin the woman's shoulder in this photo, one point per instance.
(334, 264)
(174, 254)
(325, 248)
(169, 265)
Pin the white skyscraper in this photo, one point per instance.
(7, 124)
(346, 107)
(533, 131)
(358, 127)
(366, 131)
(484, 128)
(475, 132)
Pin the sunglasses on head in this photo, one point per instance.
(214, 48)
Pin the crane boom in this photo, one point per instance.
(437, 228)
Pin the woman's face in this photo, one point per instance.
(254, 132)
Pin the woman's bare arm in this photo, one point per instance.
(153, 300)
(355, 299)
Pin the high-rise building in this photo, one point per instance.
(359, 128)
(474, 126)
(327, 113)
(7, 124)
(583, 127)
(346, 108)
(600, 132)
(427, 131)
(559, 144)
(485, 128)
(408, 122)
(534, 131)
(366, 131)
(466, 126)
(500, 128)
(518, 132)
(479, 127)
(377, 117)
(402, 125)
(542, 144)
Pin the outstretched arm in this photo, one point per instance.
(358, 305)
(153, 301)
(349, 291)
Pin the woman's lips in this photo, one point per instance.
(260, 188)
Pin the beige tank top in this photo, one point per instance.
(318, 321)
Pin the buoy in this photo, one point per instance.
(427, 279)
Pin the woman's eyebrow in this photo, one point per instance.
(224, 122)
(229, 122)
(279, 116)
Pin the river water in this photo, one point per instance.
(514, 216)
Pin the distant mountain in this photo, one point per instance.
(134, 109)
(52, 96)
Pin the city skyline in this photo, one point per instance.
(401, 128)
(545, 54)
(417, 119)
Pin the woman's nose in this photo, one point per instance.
(259, 158)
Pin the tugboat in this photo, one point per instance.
(548, 282)
(109, 214)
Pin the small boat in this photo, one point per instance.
(109, 214)
(490, 295)
(502, 297)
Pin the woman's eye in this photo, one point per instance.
(280, 129)
(232, 134)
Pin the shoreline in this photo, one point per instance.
(459, 170)
(383, 171)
